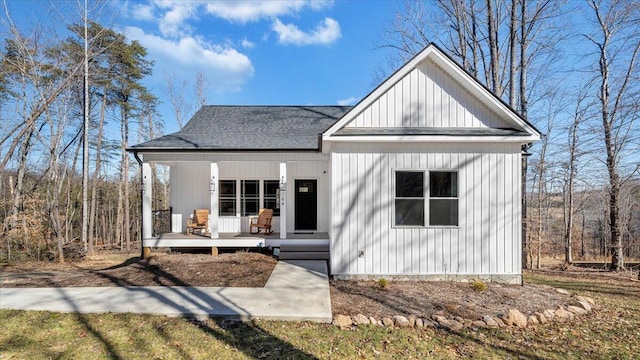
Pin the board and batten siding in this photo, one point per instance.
(365, 240)
(427, 97)
(190, 187)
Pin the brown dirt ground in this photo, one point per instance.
(248, 269)
(423, 298)
(241, 269)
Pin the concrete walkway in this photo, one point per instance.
(296, 290)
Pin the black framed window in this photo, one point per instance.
(270, 194)
(409, 198)
(227, 202)
(250, 197)
(443, 198)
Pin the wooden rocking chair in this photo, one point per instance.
(199, 221)
(263, 221)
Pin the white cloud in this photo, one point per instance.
(173, 22)
(142, 12)
(327, 32)
(247, 44)
(347, 102)
(225, 67)
(252, 10)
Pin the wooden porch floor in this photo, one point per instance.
(245, 235)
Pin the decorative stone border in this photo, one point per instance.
(579, 305)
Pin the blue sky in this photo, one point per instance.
(286, 52)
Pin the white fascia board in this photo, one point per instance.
(379, 91)
(434, 139)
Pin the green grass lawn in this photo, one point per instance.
(613, 331)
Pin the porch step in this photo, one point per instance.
(304, 255)
(304, 252)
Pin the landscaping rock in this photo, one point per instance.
(429, 324)
(500, 322)
(541, 318)
(533, 320)
(361, 320)
(586, 299)
(439, 318)
(563, 314)
(479, 324)
(490, 321)
(576, 310)
(467, 323)
(549, 314)
(373, 321)
(401, 321)
(342, 321)
(582, 304)
(412, 321)
(388, 322)
(419, 323)
(452, 325)
(562, 291)
(515, 318)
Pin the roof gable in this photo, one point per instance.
(432, 91)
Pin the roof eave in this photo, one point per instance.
(434, 138)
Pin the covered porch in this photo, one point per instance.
(232, 188)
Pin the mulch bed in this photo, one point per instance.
(241, 269)
(425, 298)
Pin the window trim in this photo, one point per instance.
(427, 197)
(456, 198)
(239, 198)
(244, 197)
(396, 197)
(234, 197)
(263, 195)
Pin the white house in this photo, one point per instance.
(422, 178)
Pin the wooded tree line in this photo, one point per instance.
(569, 67)
(42, 102)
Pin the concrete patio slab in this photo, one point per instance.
(296, 290)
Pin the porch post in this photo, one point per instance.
(283, 200)
(213, 189)
(147, 223)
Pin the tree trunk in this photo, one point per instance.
(523, 59)
(582, 246)
(96, 173)
(513, 53)
(125, 159)
(19, 184)
(573, 143)
(494, 64)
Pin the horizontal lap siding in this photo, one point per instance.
(486, 242)
(427, 97)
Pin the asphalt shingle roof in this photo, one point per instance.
(251, 128)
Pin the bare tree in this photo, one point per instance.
(571, 173)
(618, 44)
(183, 109)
